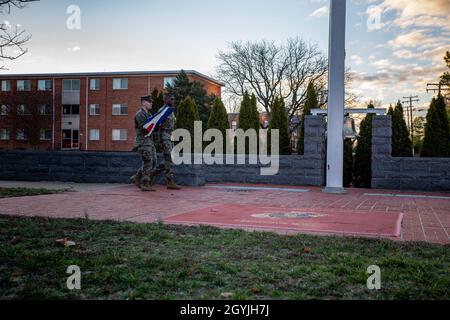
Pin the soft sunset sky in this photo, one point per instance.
(397, 59)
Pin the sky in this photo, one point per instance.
(393, 47)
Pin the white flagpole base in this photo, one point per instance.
(334, 190)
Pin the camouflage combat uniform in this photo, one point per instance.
(146, 148)
(164, 137)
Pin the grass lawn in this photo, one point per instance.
(156, 261)
(24, 192)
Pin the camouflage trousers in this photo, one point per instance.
(149, 161)
(166, 144)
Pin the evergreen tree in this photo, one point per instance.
(446, 76)
(348, 162)
(182, 87)
(436, 142)
(279, 120)
(441, 110)
(248, 118)
(158, 100)
(390, 111)
(255, 113)
(219, 119)
(363, 153)
(419, 131)
(401, 142)
(311, 103)
(187, 114)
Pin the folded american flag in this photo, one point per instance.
(154, 121)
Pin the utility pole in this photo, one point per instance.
(439, 87)
(409, 112)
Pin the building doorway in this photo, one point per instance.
(70, 139)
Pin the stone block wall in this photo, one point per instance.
(117, 167)
(404, 173)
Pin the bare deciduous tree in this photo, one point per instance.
(12, 39)
(270, 70)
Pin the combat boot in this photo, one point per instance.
(136, 180)
(147, 186)
(171, 185)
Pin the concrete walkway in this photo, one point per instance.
(81, 187)
(423, 216)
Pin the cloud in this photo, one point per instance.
(419, 13)
(410, 9)
(7, 24)
(321, 12)
(417, 38)
(357, 59)
(380, 64)
(402, 79)
(405, 54)
(74, 49)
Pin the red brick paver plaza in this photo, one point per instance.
(375, 213)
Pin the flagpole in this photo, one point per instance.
(336, 96)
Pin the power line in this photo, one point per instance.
(409, 112)
(439, 87)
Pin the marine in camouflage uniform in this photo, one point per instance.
(164, 139)
(144, 145)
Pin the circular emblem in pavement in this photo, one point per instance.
(287, 215)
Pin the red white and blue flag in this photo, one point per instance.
(154, 121)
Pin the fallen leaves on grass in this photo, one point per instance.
(66, 242)
(226, 295)
(307, 250)
(255, 290)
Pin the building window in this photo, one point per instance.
(23, 110)
(119, 135)
(94, 84)
(21, 135)
(4, 134)
(4, 110)
(6, 85)
(45, 134)
(94, 134)
(23, 85)
(71, 109)
(94, 109)
(45, 110)
(71, 85)
(169, 81)
(120, 84)
(44, 85)
(120, 109)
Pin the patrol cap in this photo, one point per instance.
(147, 98)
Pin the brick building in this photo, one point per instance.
(89, 111)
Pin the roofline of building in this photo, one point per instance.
(113, 73)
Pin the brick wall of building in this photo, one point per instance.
(139, 84)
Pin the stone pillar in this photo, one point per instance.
(315, 151)
(381, 138)
(384, 168)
